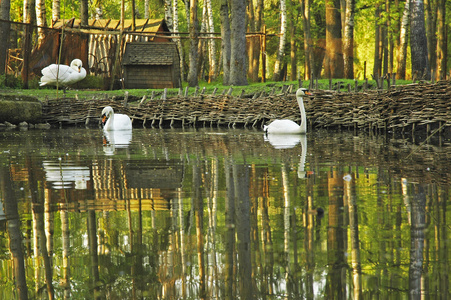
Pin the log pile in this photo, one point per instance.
(410, 107)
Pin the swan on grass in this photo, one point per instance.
(288, 126)
(112, 121)
(63, 74)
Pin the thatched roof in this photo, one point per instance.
(142, 25)
(150, 54)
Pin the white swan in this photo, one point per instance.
(288, 126)
(66, 75)
(112, 121)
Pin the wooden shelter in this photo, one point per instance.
(95, 44)
(151, 66)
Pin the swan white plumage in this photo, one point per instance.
(288, 126)
(112, 121)
(66, 75)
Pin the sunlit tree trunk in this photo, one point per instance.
(178, 41)
(147, 8)
(212, 58)
(402, 46)
(293, 49)
(41, 19)
(282, 39)
(56, 10)
(441, 41)
(348, 40)
(168, 14)
(377, 68)
(418, 40)
(334, 49)
(225, 41)
(84, 12)
(4, 33)
(430, 15)
(194, 41)
(305, 11)
(238, 43)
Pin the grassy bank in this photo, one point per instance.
(87, 93)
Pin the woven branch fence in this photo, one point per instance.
(405, 108)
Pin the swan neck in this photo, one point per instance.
(303, 117)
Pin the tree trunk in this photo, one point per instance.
(238, 43)
(377, 68)
(225, 41)
(194, 41)
(56, 10)
(258, 41)
(348, 40)
(418, 40)
(147, 8)
(293, 48)
(4, 33)
(178, 41)
(168, 14)
(334, 53)
(402, 47)
(84, 12)
(251, 41)
(212, 58)
(41, 19)
(431, 31)
(305, 11)
(277, 76)
(441, 40)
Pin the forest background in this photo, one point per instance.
(308, 38)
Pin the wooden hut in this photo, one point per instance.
(151, 66)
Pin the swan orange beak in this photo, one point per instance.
(104, 118)
(308, 93)
(79, 69)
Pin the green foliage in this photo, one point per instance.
(10, 81)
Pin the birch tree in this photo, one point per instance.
(402, 46)
(41, 19)
(283, 35)
(212, 59)
(348, 40)
(194, 41)
(168, 14)
(418, 40)
(238, 43)
(175, 12)
(56, 10)
(225, 41)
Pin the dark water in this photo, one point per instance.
(222, 214)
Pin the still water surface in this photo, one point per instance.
(222, 214)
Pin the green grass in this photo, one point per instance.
(84, 92)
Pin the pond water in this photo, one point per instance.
(222, 214)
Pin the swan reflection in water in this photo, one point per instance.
(113, 140)
(288, 141)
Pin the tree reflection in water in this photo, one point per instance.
(222, 214)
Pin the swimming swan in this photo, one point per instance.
(66, 75)
(288, 126)
(112, 121)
